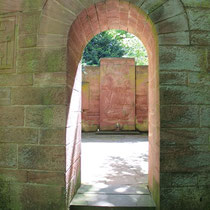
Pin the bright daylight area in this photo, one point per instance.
(113, 158)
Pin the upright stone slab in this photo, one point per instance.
(117, 94)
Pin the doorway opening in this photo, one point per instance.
(115, 105)
(119, 15)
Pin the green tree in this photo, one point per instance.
(101, 46)
(114, 43)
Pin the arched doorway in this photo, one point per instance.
(122, 15)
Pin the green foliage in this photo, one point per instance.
(114, 43)
(101, 46)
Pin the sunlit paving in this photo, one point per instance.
(114, 159)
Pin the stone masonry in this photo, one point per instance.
(41, 44)
(107, 101)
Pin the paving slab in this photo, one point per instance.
(100, 200)
(113, 189)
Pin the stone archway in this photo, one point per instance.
(125, 16)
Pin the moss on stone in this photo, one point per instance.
(5, 203)
(156, 193)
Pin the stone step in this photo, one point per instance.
(118, 133)
(112, 197)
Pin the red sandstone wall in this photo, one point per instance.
(117, 93)
(91, 93)
(90, 98)
(142, 98)
(73, 138)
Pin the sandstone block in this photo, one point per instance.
(198, 18)
(16, 80)
(174, 24)
(47, 178)
(183, 58)
(200, 38)
(176, 38)
(52, 136)
(12, 175)
(50, 79)
(150, 5)
(184, 136)
(41, 157)
(192, 95)
(38, 96)
(52, 116)
(179, 116)
(8, 155)
(173, 78)
(195, 3)
(4, 96)
(205, 119)
(41, 60)
(29, 40)
(34, 196)
(29, 22)
(11, 116)
(19, 135)
(167, 10)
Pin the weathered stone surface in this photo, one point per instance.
(4, 96)
(29, 22)
(184, 136)
(43, 177)
(91, 98)
(185, 198)
(8, 155)
(169, 9)
(32, 5)
(199, 19)
(59, 12)
(12, 175)
(50, 79)
(52, 136)
(205, 119)
(173, 78)
(38, 96)
(141, 98)
(204, 179)
(208, 60)
(150, 5)
(200, 38)
(197, 94)
(41, 116)
(32, 196)
(16, 79)
(29, 40)
(41, 157)
(51, 26)
(188, 159)
(11, 116)
(179, 116)
(183, 58)
(183, 179)
(50, 40)
(174, 24)
(201, 78)
(117, 94)
(19, 135)
(177, 38)
(7, 43)
(195, 3)
(42, 60)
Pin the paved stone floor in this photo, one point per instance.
(114, 159)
